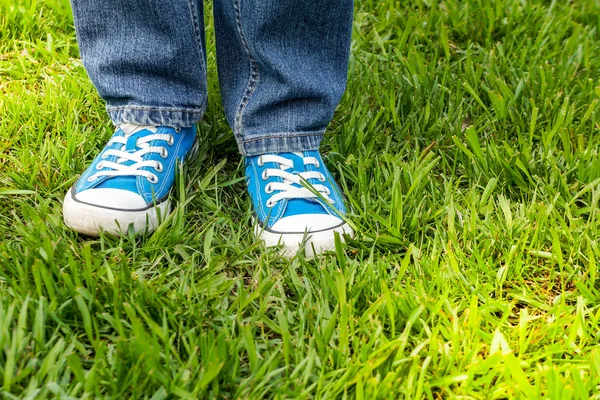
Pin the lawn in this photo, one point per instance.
(467, 144)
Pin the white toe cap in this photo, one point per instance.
(306, 223)
(112, 198)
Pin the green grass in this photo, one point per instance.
(467, 143)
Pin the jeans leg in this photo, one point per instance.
(145, 57)
(282, 69)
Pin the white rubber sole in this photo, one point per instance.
(313, 243)
(91, 220)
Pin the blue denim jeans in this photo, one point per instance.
(282, 64)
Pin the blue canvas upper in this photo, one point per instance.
(269, 214)
(176, 150)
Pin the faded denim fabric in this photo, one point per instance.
(282, 64)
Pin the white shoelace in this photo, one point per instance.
(118, 168)
(286, 189)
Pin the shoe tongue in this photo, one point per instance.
(123, 182)
(297, 168)
(130, 129)
(132, 133)
(301, 206)
(131, 145)
(297, 159)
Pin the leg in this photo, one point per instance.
(283, 69)
(146, 58)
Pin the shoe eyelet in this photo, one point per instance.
(171, 140)
(99, 166)
(164, 153)
(269, 189)
(104, 156)
(265, 175)
(270, 203)
(158, 167)
(318, 164)
(322, 178)
(327, 191)
(152, 179)
(92, 178)
(260, 161)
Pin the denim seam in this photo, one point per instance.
(283, 135)
(150, 108)
(254, 71)
(197, 34)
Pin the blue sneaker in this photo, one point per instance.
(129, 182)
(296, 201)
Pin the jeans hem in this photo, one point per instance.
(156, 116)
(281, 142)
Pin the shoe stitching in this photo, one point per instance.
(173, 163)
(258, 189)
(148, 197)
(282, 205)
(329, 208)
(339, 204)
